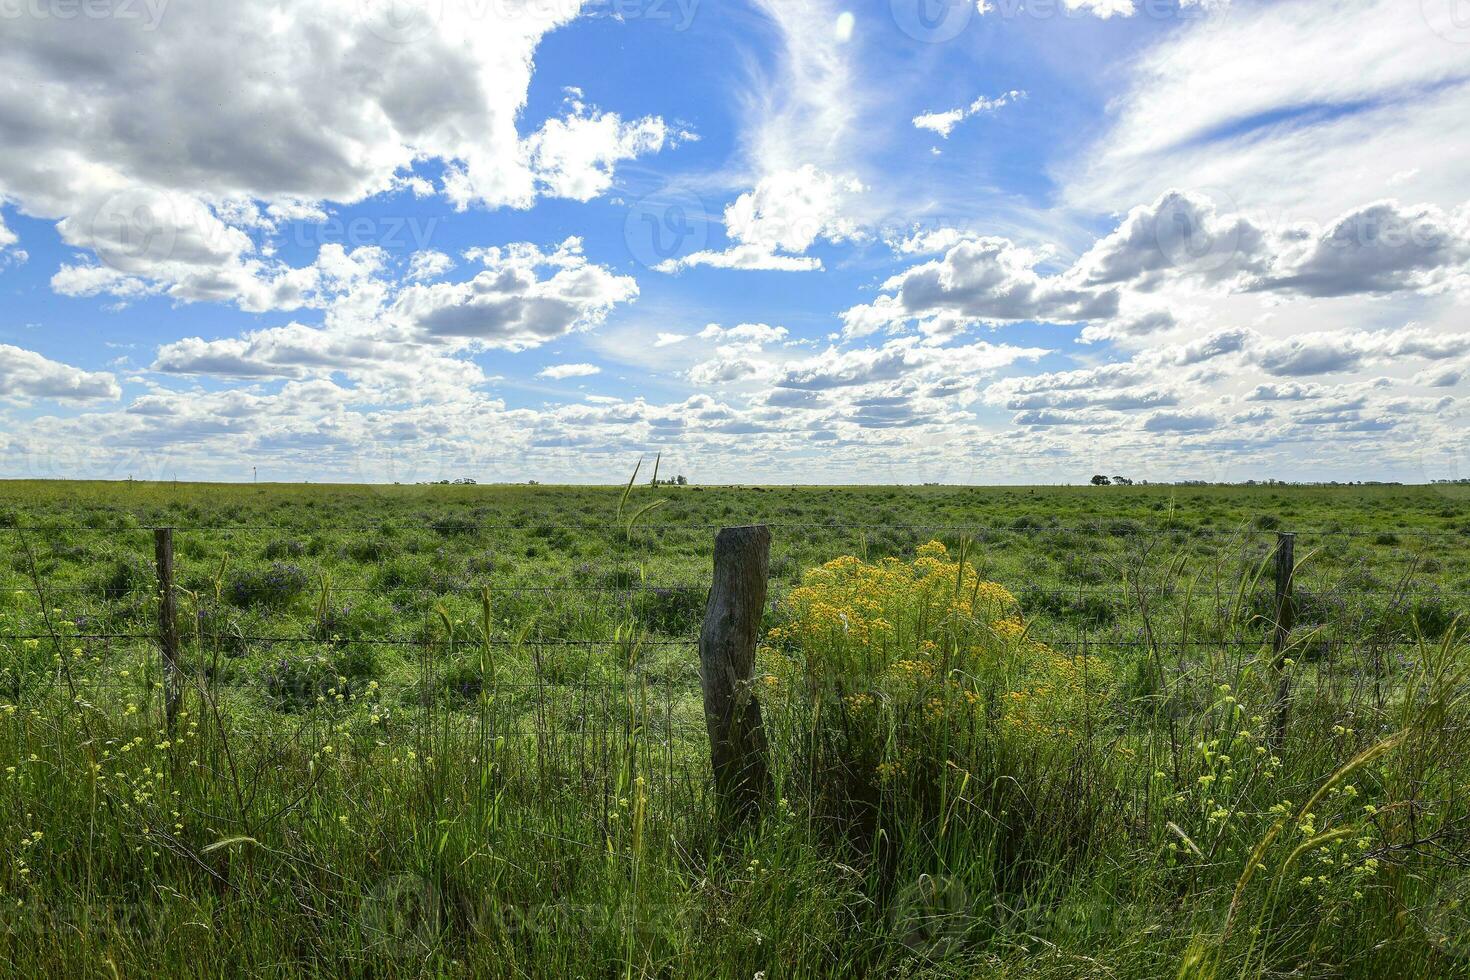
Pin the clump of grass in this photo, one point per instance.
(270, 587)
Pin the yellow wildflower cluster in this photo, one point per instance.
(933, 627)
(872, 618)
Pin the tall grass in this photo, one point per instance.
(959, 793)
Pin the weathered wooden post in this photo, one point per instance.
(168, 623)
(732, 622)
(1285, 616)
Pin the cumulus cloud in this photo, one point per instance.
(1337, 352)
(726, 368)
(1285, 392)
(1162, 379)
(293, 351)
(1445, 377)
(574, 157)
(1130, 327)
(1180, 422)
(737, 354)
(1180, 234)
(744, 334)
(253, 112)
(406, 334)
(899, 359)
(773, 225)
(26, 375)
(1116, 387)
(429, 264)
(1379, 248)
(510, 305)
(980, 281)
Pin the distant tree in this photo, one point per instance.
(1101, 481)
(682, 482)
(1122, 481)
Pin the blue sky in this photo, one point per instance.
(898, 241)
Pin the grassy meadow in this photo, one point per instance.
(457, 731)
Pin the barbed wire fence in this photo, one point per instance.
(608, 661)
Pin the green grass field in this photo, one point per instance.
(455, 731)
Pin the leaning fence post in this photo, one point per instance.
(168, 623)
(1285, 614)
(732, 621)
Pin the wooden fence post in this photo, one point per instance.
(1285, 615)
(168, 623)
(732, 621)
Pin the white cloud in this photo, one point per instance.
(293, 351)
(385, 334)
(1442, 377)
(1305, 109)
(1382, 247)
(574, 157)
(785, 215)
(510, 305)
(803, 113)
(944, 123)
(26, 375)
(429, 264)
(755, 335)
(1339, 352)
(1181, 233)
(980, 281)
(896, 360)
(8, 240)
(1166, 422)
(256, 111)
(738, 353)
(726, 368)
(560, 372)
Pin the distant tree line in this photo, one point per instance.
(1100, 480)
